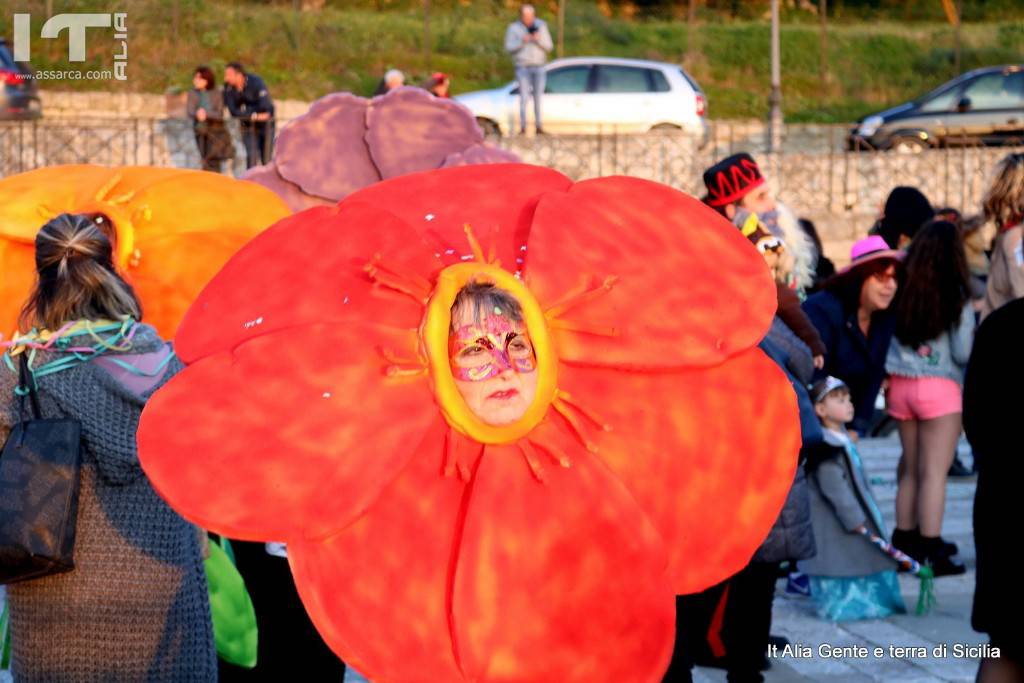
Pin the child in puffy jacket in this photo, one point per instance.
(850, 578)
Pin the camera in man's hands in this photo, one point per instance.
(532, 29)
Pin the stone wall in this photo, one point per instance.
(840, 191)
(65, 104)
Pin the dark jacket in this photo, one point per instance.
(993, 426)
(858, 361)
(792, 536)
(793, 315)
(216, 110)
(253, 98)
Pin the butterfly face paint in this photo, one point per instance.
(487, 348)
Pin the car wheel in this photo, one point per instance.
(908, 145)
(490, 129)
(665, 128)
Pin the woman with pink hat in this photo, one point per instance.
(852, 314)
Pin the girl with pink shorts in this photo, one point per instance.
(926, 359)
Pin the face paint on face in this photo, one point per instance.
(485, 349)
(493, 365)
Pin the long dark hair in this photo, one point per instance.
(76, 277)
(935, 286)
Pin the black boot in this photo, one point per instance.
(948, 548)
(933, 555)
(908, 542)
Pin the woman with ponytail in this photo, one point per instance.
(135, 607)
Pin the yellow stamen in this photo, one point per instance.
(102, 193)
(585, 412)
(389, 276)
(562, 408)
(584, 328)
(532, 460)
(122, 198)
(455, 462)
(393, 357)
(556, 455)
(580, 295)
(474, 244)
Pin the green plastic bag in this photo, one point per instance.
(234, 619)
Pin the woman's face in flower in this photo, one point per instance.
(493, 364)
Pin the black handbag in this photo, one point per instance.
(40, 471)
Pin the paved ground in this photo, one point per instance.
(948, 624)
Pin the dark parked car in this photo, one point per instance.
(984, 106)
(19, 92)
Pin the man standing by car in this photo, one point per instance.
(247, 98)
(529, 42)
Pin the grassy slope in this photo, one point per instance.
(309, 54)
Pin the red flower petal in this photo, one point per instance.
(709, 454)
(496, 200)
(378, 590)
(291, 433)
(690, 290)
(562, 581)
(306, 269)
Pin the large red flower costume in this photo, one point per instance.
(319, 408)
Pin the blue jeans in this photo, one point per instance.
(531, 81)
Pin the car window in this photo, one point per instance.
(693, 83)
(622, 79)
(996, 91)
(568, 80)
(944, 101)
(659, 81)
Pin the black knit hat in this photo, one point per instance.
(731, 179)
(906, 210)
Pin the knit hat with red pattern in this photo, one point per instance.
(731, 179)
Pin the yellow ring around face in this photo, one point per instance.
(435, 340)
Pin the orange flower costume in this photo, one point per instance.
(427, 545)
(173, 229)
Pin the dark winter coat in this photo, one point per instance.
(857, 360)
(791, 537)
(993, 426)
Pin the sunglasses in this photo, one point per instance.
(885, 276)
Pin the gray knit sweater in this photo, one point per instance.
(135, 608)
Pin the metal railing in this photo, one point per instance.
(813, 170)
